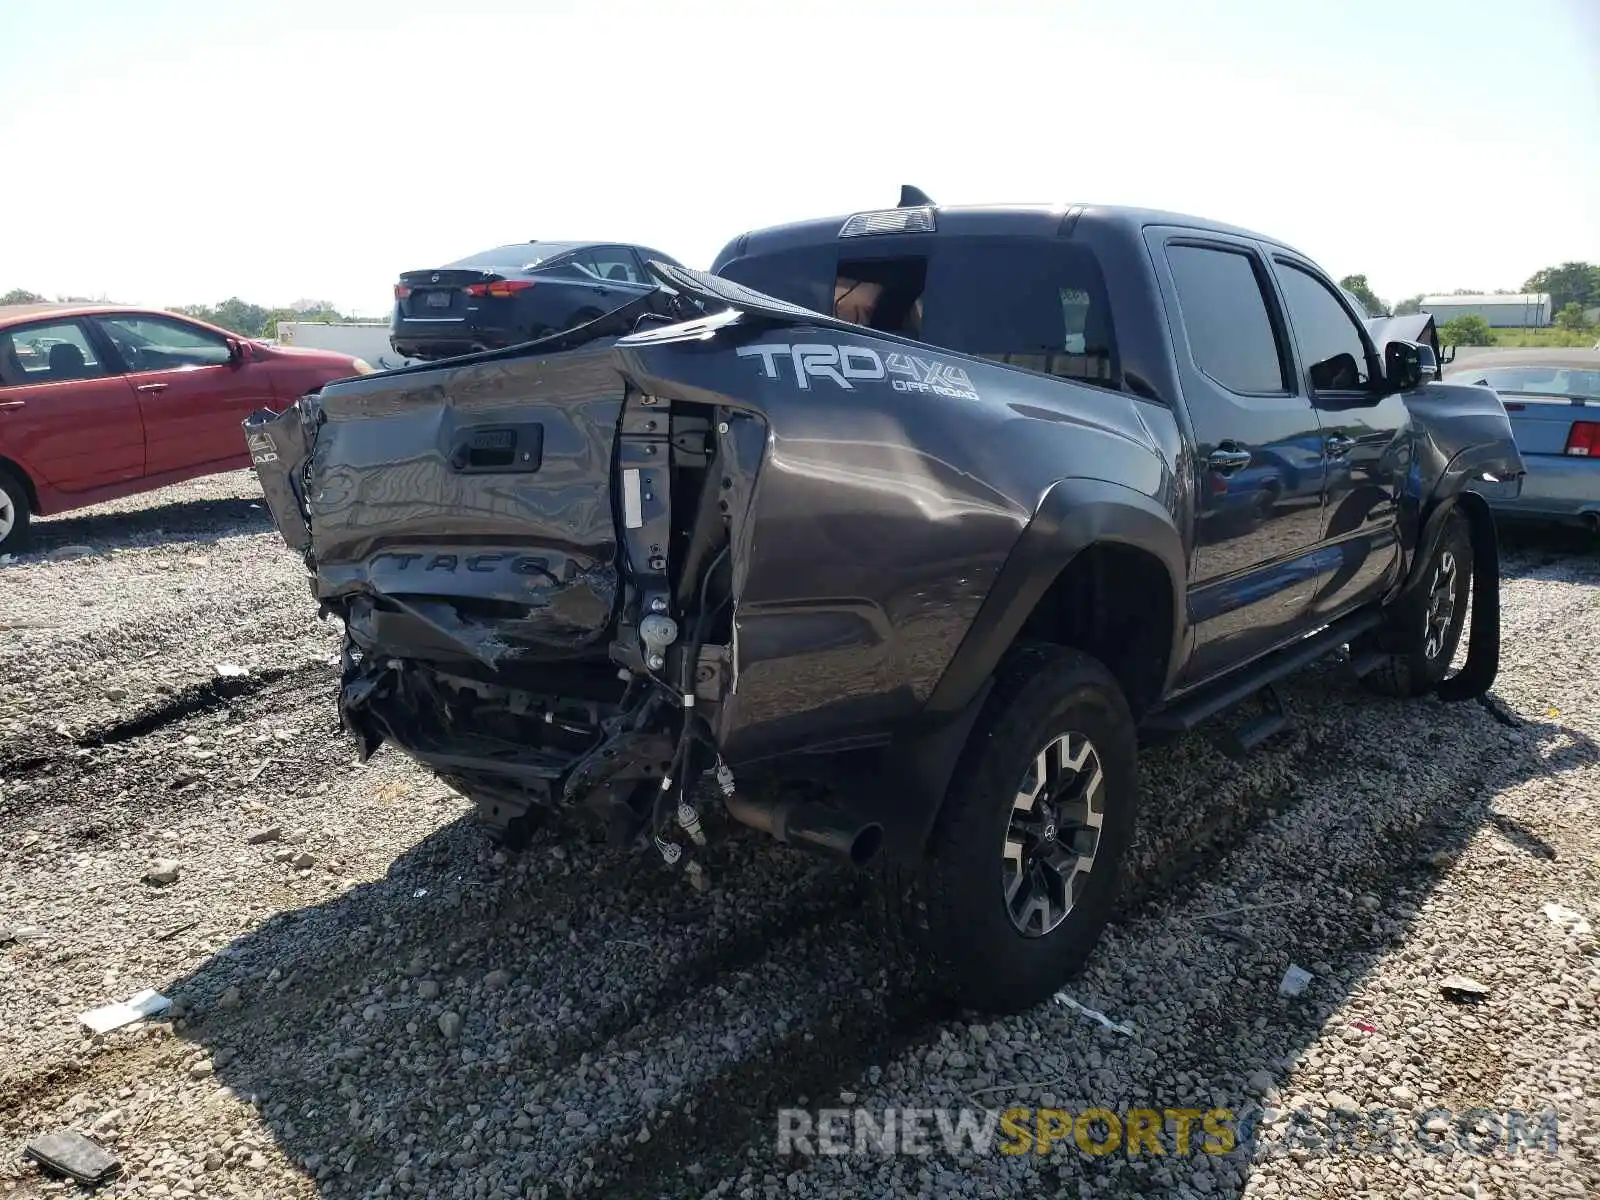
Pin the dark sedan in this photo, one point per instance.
(514, 294)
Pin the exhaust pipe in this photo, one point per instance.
(805, 823)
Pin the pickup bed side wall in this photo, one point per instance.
(886, 513)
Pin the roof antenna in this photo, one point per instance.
(914, 197)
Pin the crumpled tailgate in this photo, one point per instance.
(278, 445)
(461, 510)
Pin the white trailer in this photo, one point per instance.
(367, 340)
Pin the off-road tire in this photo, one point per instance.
(1414, 672)
(953, 908)
(14, 500)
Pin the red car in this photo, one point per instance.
(101, 401)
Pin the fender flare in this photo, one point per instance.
(1448, 491)
(905, 789)
(1073, 515)
(1477, 674)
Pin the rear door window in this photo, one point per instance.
(611, 264)
(1027, 302)
(49, 352)
(1226, 319)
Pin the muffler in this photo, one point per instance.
(806, 823)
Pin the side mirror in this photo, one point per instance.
(1402, 366)
(1448, 354)
(1430, 364)
(238, 351)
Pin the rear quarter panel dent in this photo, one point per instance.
(881, 518)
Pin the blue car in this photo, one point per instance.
(1553, 399)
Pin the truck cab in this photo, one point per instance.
(1285, 448)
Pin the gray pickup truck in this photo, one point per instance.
(890, 537)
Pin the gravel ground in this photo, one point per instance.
(372, 1000)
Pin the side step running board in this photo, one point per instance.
(1191, 710)
(1366, 664)
(1253, 732)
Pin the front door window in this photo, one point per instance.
(163, 344)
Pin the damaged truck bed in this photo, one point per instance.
(535, 556)
(945, 571)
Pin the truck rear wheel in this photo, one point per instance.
(1429, 623)
(1027, 855)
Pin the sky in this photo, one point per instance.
(172, 152)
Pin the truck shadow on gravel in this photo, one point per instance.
(1528, 546)
(580, 1019)
(202, 520)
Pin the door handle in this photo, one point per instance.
(8, 405)
(152, 387)
(1225, 460)
(1339, 445)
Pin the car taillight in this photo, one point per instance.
(1584, 439)
(401, 291)
(500, 287)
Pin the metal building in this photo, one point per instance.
(1522, 310)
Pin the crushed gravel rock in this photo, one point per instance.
(371, 999)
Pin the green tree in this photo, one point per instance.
(1571, 317)
(1470, 330)
(21, 296)
(243, 317)
(1358, 287)
(1411, 304)
(1571, 282)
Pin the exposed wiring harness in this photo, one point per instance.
(676, 777)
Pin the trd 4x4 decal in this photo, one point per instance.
(917, 374)
(841, 365)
